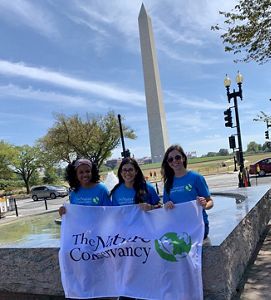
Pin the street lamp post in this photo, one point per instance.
(125, 152)
(235, 95)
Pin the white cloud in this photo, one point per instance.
(199, 103)
(193, 58)
(30, 14)
(101, 89)
(15, 118)
(38, 95)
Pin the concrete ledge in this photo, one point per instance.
(224, 265)
(33, 273)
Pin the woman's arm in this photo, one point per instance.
(206, 202)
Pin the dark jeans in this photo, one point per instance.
(206, 231)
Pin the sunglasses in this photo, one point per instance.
(177, 157)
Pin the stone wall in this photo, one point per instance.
(224, 265)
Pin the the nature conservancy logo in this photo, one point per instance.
(173, 247)
(188, 187)
(95, 200)
(87, 248)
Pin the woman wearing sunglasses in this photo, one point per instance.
(182, 185)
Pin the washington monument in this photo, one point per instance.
(154, 97)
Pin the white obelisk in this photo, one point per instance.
(154, 97)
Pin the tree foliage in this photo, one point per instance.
(248, 30)
(50, 176)
(266, 147)
(263, 117)
(223, 152)
(253, 147)
(93, 137)
(6, 154)
(26, 161)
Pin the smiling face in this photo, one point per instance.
(84, 175)
(128, 173)
(175, 161)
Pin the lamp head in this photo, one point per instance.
(227, 81)
(239, 78)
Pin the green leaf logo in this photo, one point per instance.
(188, 187)
(173, 247)
(95, 200)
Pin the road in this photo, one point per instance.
(231, 180)
(28, 207)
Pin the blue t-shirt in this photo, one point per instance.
(125, 196)
(187, 188)
(97, 195)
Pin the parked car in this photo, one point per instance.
(261, 167)
(48, 191)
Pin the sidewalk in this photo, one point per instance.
(256, 283)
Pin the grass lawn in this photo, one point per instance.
(203, 165)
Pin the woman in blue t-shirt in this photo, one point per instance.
(182, 185)
(133, 188)
(86, 188)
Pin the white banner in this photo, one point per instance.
(122, 250)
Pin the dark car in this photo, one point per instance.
(48, 192)
(261, 167)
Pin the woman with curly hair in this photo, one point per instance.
(86, 188)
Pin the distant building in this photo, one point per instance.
(144, 160)
(113, 163)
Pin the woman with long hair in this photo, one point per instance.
(132, 187)
(182, 185)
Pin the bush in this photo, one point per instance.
(8, 184)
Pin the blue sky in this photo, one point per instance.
(59, 56)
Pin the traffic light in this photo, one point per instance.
(266, 134)
(228, 118)
(232, 142)
(126, 153)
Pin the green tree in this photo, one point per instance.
(223, 152)
(6, 154)
(266, 147)
(93, 137)
(254, 147)
(25, 162)
(248, 30)
(50, 176)
(211, 154)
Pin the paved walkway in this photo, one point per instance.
(256, 283)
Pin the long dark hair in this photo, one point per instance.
(166, 170)
(70, 175)
(139, 182)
